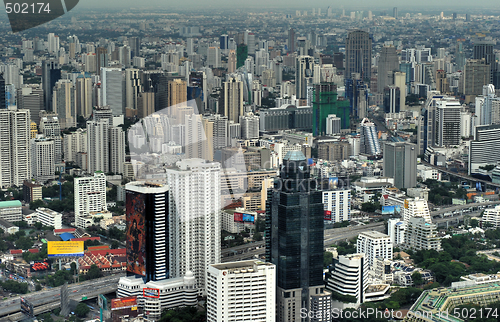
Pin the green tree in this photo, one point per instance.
(115, 244)
(38, 287)
(417, 278)
(36, 204)
(82, 310)
(327, 259)
(257, 236)
(94, 272)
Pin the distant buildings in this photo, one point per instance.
(337, 205)
(11, 210)
(358, 54)
(326, 103)
(374, 244)
(369, 143)
(90, 197)
(400, 163)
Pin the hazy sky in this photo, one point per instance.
(445, 4)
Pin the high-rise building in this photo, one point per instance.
(294, 236)
(387, 64)
(241, 55)
(198, 140)
(416, 208)
(374, 244)
(448, 123)
(337, 203)
(249, 126)
(356, 91)
(90, 196)
(112, 90)
(133, 88)
(231, 61)
(64, 103)
(135, 46)
(74, 143)
(98, 146)
(400, 163)
(51, 129)
(325, 103)
(303, 75)
(484, 50)
(51, 73)
(42, 159)
(291, 40)
(83, 96)
(349, 276)
(333, 124)
(2, 93)
(177, 92)
(484, 149)
(421, 235)
(358, 54)
(148, 239)
(30, 97)
(194, 210)
(220, 130)
(231, 99)
(116, 150)
(239, 290)
(53, 43)
(369, 143)
(395, 12)
(102, 59)
(492, 216)
(14, 147)
(213, 57)
(477, 73)
(392, 99)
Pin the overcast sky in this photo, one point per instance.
(445, 4)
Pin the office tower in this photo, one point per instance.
(426, 134)
(349, 276)
(53, 43)
(231, 99)
(238, 290)
(291, 40)
(83, 96)
(356, 91)
(369, 143)
(448, 123)
(90, 196)
(213, 57)
(268, 78)
(421, 235)
(416, 208)
(241, 55)
(98, 146)
(220, 130)
(145, 104)
(251, 43)
(392, 99)
(249, 126)
(388, 62)
(400, 163)
(333, 124)
(90, 62)
(198, 138)
(325, 103)
(177, 93)
(460, 54)
(224, 43)
(112, 90)
(135, 46)
(492, 216)
(476, 75)
(190, 46)
(14, 147)
(374, 244)
(294, 236)
(231, 61)
(51, 129)
(74, 143)
(103, 113)
(194, 210)
(2, 93)
(51, 73)
(102, 59)
(116, 150)
(484, 50)
(42, 159)
(64, 103)
(156, 82)
(484, 149)
(132, 88)
(30, 97)
(303, 75)
(338, 203)
(358, 54)
(395, 12)
(148, 240)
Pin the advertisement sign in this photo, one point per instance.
(333, 183)
(151, 292)
(136, 236)
(327, 215)
(248, 218)
(407, 204)
(39, 266)
(238, 217)
(391, 210)
(64, 248)
(102, 301)
(124, 303)
(26, 307)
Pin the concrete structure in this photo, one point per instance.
(369, 143)
(388, 63)
(194, 210)
(396, 230)
(492, 216)
(42, 159)
(90, 196)
(349, 276)
(485, 148)
(243, 290)
(374, 244)
(358, 54)
(7, 227)
(51, 129)
(249, 126)
(112, 90)
(11, 210)
(98, 146)
(116, 150)
(421, 235)
(416, 208)
(48, 217)
(338, 203)
(31, 191)
(400, 163)
(231, 99)
(448, 123)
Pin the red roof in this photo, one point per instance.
(119, 251)
(16, 251)
(34, 250)
(66, 230)
(86, 238)
(102, 247)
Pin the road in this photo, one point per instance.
(463, 176)
(47, 298)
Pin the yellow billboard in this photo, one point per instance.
(64, 248)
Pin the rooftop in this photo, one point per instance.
(10, 203)
(295, 156)
(374, 234)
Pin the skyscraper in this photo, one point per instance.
(98, 148)
(395, 12)
(64, 103)
(231, 61)
(194, 210)
(42, 159)
(369, 143)
(476, 75)
(231, 99)
(177, 93)
(90, 196)
(148, 240)
(358, 49)
(116, 150)
(83, 96)
(213, 57)
(51, 129)
(51, 73)
(448, 123)
(400, 163)
(14, 147)
(294, 236)
(291, 40)
(388, 62)
(303, 75)
(133, 88)
(102, 58)
(325, 103)
(3, 104)
(112, 90)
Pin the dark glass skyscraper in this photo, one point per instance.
(294, 236)
(147, 238)
(51, 73)
(358, 54)
(3, 104)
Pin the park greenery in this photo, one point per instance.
(183, 314)
(441, 194)
(15, 287)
